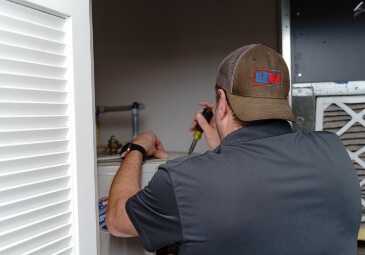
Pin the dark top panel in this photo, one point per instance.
(328, 41)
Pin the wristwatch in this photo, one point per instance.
(131, 147)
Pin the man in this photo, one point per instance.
(263, 189)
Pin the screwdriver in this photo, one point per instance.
(207, 113)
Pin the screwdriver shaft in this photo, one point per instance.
(192, 146)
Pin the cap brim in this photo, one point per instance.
(255, 108)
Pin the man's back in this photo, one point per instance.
(264, 190)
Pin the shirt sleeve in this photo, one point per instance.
(154, 213)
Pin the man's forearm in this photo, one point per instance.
(126, 183)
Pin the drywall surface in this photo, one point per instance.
(166, 54)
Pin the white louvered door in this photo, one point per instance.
(37, 166)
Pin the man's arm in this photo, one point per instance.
(126, 183)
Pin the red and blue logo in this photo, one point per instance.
(266, 77)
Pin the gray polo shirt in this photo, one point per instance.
(263, 190)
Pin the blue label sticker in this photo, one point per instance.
(103, 204)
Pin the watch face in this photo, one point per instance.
(126, 148)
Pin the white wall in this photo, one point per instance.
(166, 54)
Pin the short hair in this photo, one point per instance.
(236, 120)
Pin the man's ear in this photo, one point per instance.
(221, 110)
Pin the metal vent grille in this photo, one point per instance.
(344, 116)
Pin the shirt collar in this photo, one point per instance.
(266, 129)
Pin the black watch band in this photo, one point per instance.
(131, 147)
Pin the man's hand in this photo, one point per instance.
(210, 130)
(150, 142)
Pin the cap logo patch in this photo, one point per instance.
(266, 77)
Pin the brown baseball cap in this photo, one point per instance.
(256, 81)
